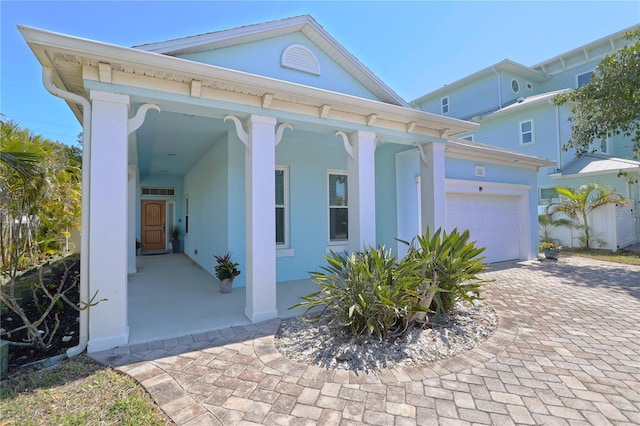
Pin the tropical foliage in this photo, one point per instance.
(451, 263)
(578, 203)
(226, 268)
(374, 293)
(610, 103)
(39, 204)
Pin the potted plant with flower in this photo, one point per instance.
(226, 271)
(550, 249)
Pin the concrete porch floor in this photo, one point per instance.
(171, 296)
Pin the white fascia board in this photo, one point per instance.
(109, 52)
(490, 154)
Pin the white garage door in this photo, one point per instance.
(493, 221)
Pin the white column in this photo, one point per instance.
(260, 219)
(132, 186)
(432, 192)
(108, 324)
(362, 191)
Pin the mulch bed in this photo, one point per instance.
(53, 275)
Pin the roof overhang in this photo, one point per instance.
(72, 57)
(472, 150)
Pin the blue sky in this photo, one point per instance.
(415, 47)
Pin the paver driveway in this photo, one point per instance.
(566, 352)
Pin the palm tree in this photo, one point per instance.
(578, 203)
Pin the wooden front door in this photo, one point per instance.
(153, 225)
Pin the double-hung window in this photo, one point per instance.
(338, 207)
(282, 206)
(444, 105)
(526, 132)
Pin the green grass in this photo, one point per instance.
(77, 391)
(621, 256)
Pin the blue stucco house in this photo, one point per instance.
(513, 105)
(271, 141)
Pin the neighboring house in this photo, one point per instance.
(273, 142)
(513, 104)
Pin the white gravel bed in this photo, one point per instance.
(312, 340)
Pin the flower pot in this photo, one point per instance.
(551, 254)
(226, 285)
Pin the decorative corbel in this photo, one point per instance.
(134, 123)
(371, 119)
(104, 72)
(267, 98)
(324, 111)
(423, 155)
(345, 141)
(280, 131)
(411, 127)
(444, 133)
(244, 136)
(196, 88)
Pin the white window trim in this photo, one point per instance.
(333, 244)
(533, 135)
(284, 249)
(542, 201)
(442, 105)
(581, 74)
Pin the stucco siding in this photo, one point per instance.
(386, 194)
(473, 99)
(207, 187)
(263, 58)
(309, 157)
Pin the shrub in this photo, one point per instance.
(451, 264)
(367, 292)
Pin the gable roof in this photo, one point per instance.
(251, 33)
(504, 65)
(76, 60)
(598, 164)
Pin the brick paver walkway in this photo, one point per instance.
(566, 352)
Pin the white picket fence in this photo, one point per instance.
(615, 226)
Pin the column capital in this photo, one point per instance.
(262, 119)
(116, 98)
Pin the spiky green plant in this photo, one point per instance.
(367, 292)
(450, 263)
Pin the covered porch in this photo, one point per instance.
(171, 296)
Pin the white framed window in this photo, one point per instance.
(282, 206)
(338, 202)
(547, 195)
(526, 132)
(444, 105)
(515, 86)
(584, 78)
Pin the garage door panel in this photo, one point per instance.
(493, 222)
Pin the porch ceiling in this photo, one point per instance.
(169, 143)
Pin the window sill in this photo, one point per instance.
(337, 248)
(284, 252)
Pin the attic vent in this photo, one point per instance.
(300, 58)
